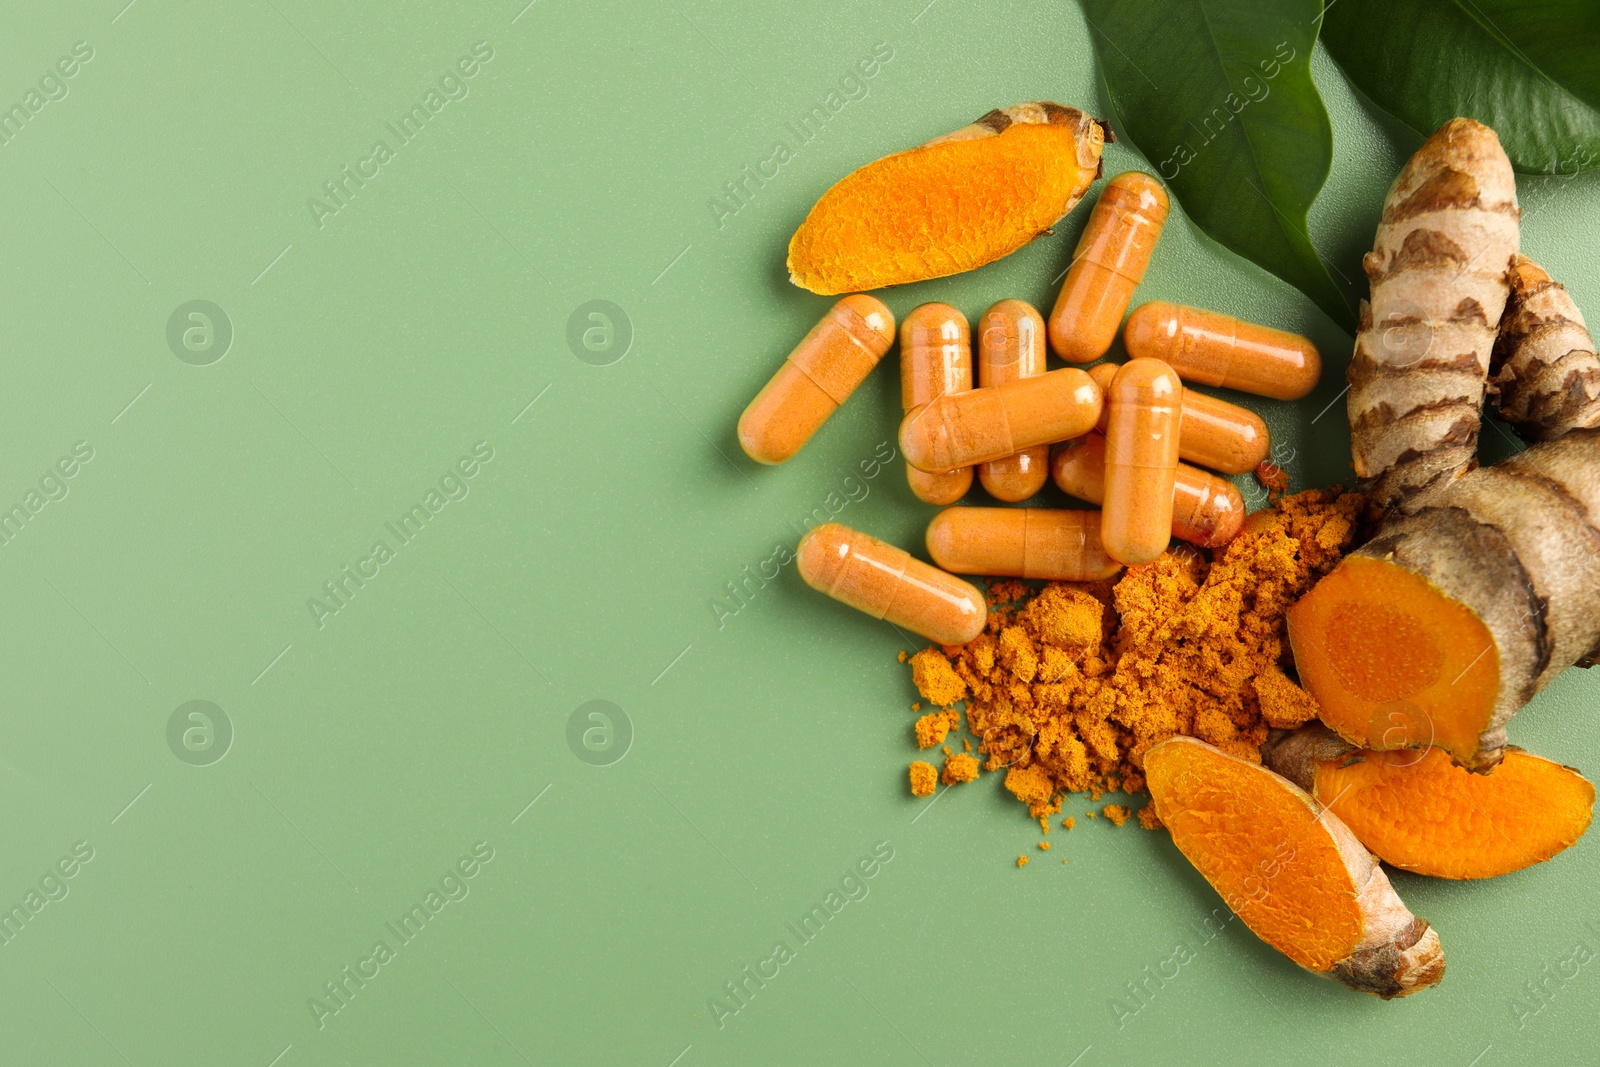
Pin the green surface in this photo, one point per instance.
(371, 754)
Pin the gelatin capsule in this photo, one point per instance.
(1106, 266)
(887, 583)
(1206, 510)
(961, 429)
(1051, 544)
(820, 374)
(935, 359)
(1214, 434)
(1145, 409)
(1216, 349)
(1011, 346)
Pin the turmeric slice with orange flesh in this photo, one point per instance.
(960, 201)
(1471, 598)
(1394, 662)
(1291, 870)
(1421, 813)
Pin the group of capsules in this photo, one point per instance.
(1130, 437)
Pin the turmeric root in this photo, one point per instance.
(1543, 375)
(1291, 870)
(1438, 274)
(1468, 601)
(959, 201)
(1421, 813)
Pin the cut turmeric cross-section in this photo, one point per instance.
(1291, 870)
(1394, 662)
(1420, 812)
(956, 203)
(1469, 600)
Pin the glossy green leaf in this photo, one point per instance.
(1530, 70)
(1217, 94)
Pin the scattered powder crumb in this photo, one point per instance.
(1069, 822)
(902, 656)
(1273, 478)
(1283, 704)
(936, 679)
(923, 778)
(1063, 859)
(933, 727)
(1090, 813)
(959, 768)
(1044, 846)
(1070, 684)
(1116, 813)
(1022, 861)
(966, 745)
(1149, 819)
(916, 705)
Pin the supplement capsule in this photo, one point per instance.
(819, 375)
(961, 429)
(1145, 409)
(935, 359)
(1206, 510)
(1011, 346)
(1052, 544)
(1106, 266)
(1215, 349)
(887, 583)
(1215, 434)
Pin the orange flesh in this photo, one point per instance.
(937, 210)
(1422, 813)
(1392, 661)
(1261, 846)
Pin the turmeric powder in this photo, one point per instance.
(1069, 686)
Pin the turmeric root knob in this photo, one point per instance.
(1544, 375)
(1421, 813)
(1291, 870)
(1438, 274)
(953, 204)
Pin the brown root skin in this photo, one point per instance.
(1438, 276)
(955, 203)
(1418, 812)
(1544, 376)
(1290, 870)
(1515, 547)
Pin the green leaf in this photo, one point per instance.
(1218, 96)
(1528, 69)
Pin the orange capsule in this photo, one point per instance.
(961, 429)
(1011, 346)
(819, 375)
(1145, 404)
(1051, 544)
(1215, 434)
(935, 359)
(1106, 266)
(1216, 349)
(887, 583)
(1206, 510)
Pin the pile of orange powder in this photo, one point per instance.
(1070, 684)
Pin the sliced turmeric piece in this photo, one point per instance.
(1469, 600)
(1291, 870)
(960, 201)
(1421, 813)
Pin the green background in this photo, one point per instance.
(767, 754)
